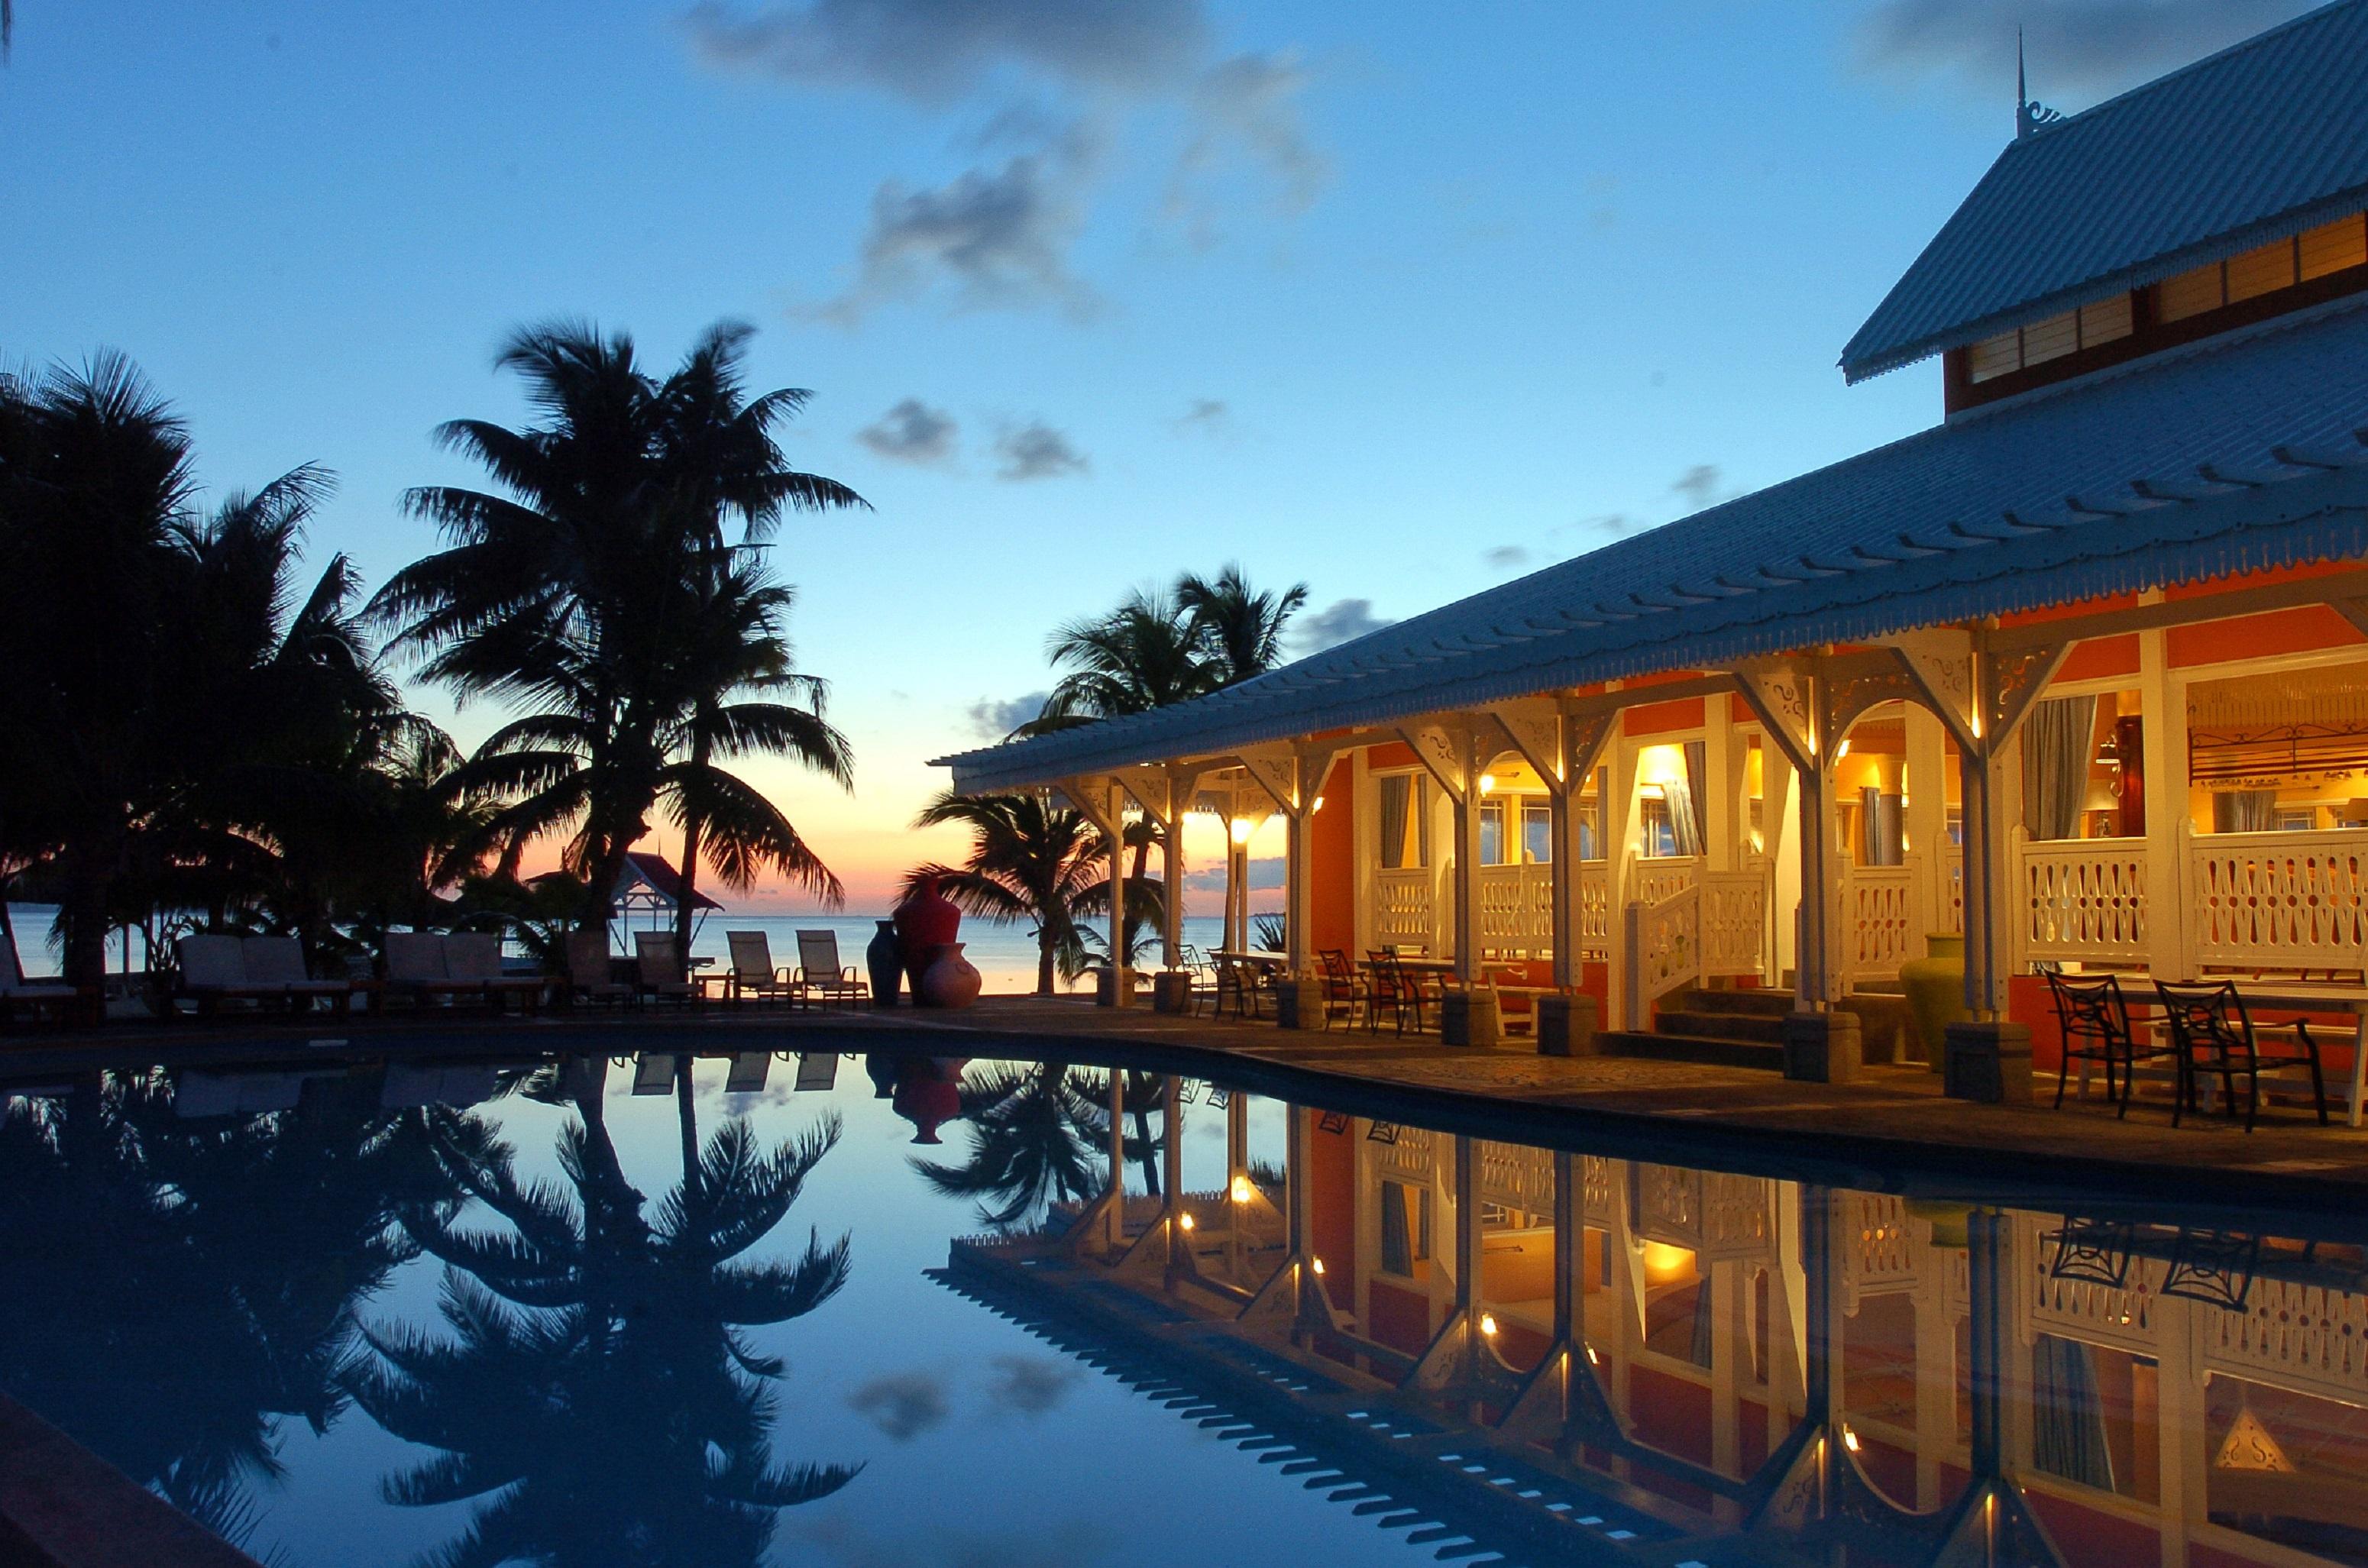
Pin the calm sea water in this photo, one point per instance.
(1005, 955)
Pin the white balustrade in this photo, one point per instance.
(2280, 899)
(1879, 901)
(1402, 914)
(1517, 907)
(2084, 899)
(1517, 1176)
(1879, 1255)
(2310, 1338)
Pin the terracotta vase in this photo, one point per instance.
(949, 980)
(926, 921)
(1935, 985)
(883, 957)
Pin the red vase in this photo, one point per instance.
(926, 921)
(949, 980)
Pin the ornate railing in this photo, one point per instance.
(1515, 1176)
(1953, 890)
(1715, 923)
(2280, 899)
(1594, 910)
(1713, 1213)
(1652, 879)
(1880, 904)
(2308, 1337)
(2084, 899)
(1878, 1249)
(1402, 907)
(1516, 907)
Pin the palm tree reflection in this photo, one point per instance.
(1040, 1132)
(592, 1384)
(176, 1288)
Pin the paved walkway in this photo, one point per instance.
(1892, 1130)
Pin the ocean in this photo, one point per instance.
(1005, 955)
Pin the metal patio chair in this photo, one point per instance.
(2212, 1031)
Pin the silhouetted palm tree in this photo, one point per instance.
(1239, 628)
(577, 593)
(1029, 861)
(1031, 1131)
(1142, 655)
(595, 1389)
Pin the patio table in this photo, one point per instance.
(2281, 996)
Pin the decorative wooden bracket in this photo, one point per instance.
(1783, 696)
(1440, 750)
(1533, 731)
(1274, 769)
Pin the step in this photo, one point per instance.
(1709, 1050)
(1765, 1027)
(1754, 1002)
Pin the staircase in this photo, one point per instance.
(1746, 1028)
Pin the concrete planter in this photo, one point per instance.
(1171, 991)
(1822, 1048)
(1113, 988)
(1299, 1004)
(1566, 1025)
(1469, 1018)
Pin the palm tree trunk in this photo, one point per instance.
(693, 826)
(86, 864)
(1045, 945)
(686, 1116)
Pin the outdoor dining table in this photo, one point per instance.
(2285, 996)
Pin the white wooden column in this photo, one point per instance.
(1617, 804)
(1927, 812)
(1365, 850)
(2162, 714)
(1722, 835)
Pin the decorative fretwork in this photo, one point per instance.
(1402, 907)
(2075, 1294)
(1517, 1176)
(2281, 900)
(2085, 899)
(1879, 1253)
(1881, 924)
(2308, 1337)
(1516, 907)
(1715, 1214)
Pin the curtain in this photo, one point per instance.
(2244, 811)
(1693, 830)
(1705, 1323)
(1881, 841)
(2057, 742)
(1398, 790)
(2067, 1431)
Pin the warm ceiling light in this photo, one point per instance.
(1489, 1324)
(1240, 1189)
(1849, 1440)
(1186, 1222)
(1487, 783)
(1241, 830)
(1319, 804)
(1318, 1264)
(1841, 751)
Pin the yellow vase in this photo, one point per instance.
(1935, 985)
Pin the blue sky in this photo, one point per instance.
(1400, 301)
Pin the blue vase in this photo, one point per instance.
(882, 958)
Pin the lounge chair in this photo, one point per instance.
(654, 1072)
(415, 968)
(749, 1069)
(817, 1069)
(280, 961)
(753, 973)
(33, 995)
(820, 973)
(213, 970)
(589, 977)
(477, 956)
(659, 967)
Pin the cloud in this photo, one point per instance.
(912, 432)
(1697, 486)
(993, 239)
(933, 51)
(1248, 105)
(902, 1404)
(2079, 48)
(1265, 875)
(1030, 1385)
(1343, 621)
(1036, 450)
(994, 721)
(1506, 557)
(1207, 414)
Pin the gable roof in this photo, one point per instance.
(657, 873)
(2235, 453)
(2256, 143)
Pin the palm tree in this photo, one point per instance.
(1239, 628)
(1029, 861)
(1031, 1133)
(577, 593)
(745, 696)
(595, 1390)
(1142, 655)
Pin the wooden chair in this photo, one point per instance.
(820, 973)
(1344, 990)
(589, 977)
(2212, 1031)
(660, 970)
(2095, 1021)
(753, 973)
(476, 958)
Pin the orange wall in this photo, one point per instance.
(2257, 636)
(1332, 1194)
(1657, 718)
(2101, 658)
(1334, 851)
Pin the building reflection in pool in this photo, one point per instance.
(1527, 1348)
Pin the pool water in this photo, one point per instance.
(726, 1309)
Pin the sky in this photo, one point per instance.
(1398, 300)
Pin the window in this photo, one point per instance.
(1492, 832)
(1404, 820)
(2334, 246)
(2265, 269)
(1537, 834)
(2091, 324)
(1655, 837)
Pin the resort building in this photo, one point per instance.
(2079, 674)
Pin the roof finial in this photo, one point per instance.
(2021, 92)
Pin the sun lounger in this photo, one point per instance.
(817, 1069)
(280, 961)
(821, 974)
(753, 973)
(410, 1085)
(658, 965)
(33, 995)
(415, 968)
(589, 978)
(654, 1074)
(748, 1071)
(198, 1095)
(477, 956)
